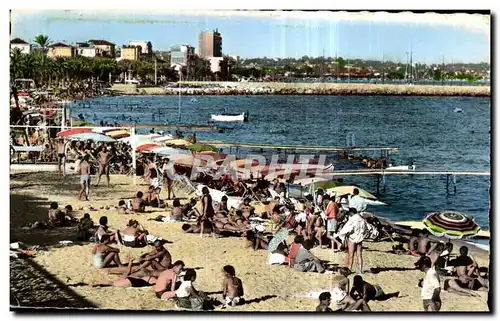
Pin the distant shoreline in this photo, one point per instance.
(277, 88)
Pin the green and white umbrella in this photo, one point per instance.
(278, 238)
(452, 225)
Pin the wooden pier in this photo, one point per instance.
(220, 144)
(404, 172)
(184, 127)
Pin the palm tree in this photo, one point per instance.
(43, 41)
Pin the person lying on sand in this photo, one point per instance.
(138, 204)
(167, 281)
(222, 209)
(129, 280)
(342, 300)
(186, 296)
(195, 228)
(133, 235)
(232, 287)
(325, 300)
(246, 207)
(466, 288)
(85, 228)
(103, 254)
(104, 230)
(366, 291)
(256, 242)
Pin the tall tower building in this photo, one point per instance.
(210, 44)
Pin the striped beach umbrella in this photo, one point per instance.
(452, 225)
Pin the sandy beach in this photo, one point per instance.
(265, 286)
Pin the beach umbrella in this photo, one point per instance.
(166, 151)
(96, 137)
(452, 225)
(216, 156)
(198, 147)
(117, 133)
(278, 238)
(147, 146)
(73, 131)
(344, 190)
(325, 185)
(281, 174)
(189, 161)
(177, 142)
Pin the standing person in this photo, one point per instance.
(104, 158)
(84, 171)
(153, 173)
(62, 147)
(357, 202)
(332, 211)
(431, 288)
(208, 210)
(356, 230)
(167, 177)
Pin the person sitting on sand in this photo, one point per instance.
(104, 230)
(55, 215)
(366, 291)
(176, 211)
(256, 242)
(103, 254)
(302, 259)
(465, 266)
(325, 299)
(246, 207)
(167, 281)
(232, 287)
(133, 236)
(466, 288)
(222, 209)
(122, 207)
(431, 288)
(158, 259)
(342, 300)
(186, 296)
(85, 228)
(153, 198)
(138, 204)
(189, 211)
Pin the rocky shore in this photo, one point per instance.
(334, 89)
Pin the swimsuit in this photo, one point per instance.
(98, 260)
(61, 155)
(139, 283)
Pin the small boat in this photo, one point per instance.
(193, 100)
(243, 117)
(410, 167)
(458, 110)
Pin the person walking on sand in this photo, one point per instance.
(84, 171)
(62, 147)
(431, 289)
(104, 159)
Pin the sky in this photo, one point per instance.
(431, 37)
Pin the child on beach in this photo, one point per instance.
(325, 299)
(232, 287)
(186, 296)
(85, 228)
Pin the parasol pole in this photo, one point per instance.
(132, 143)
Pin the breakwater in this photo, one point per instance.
(275, 88)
